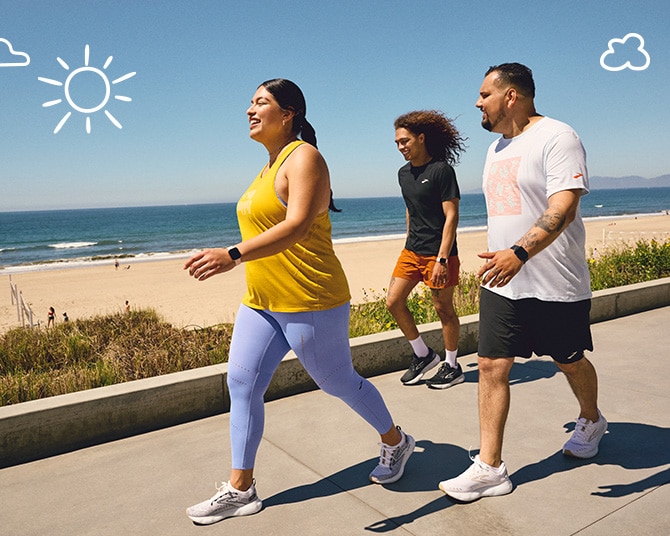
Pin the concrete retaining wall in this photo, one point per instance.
(51, 426)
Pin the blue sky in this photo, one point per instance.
(184, 135)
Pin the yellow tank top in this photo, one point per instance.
(305, 277)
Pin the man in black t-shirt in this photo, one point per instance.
(430, 144)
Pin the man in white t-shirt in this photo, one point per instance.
(536, 293)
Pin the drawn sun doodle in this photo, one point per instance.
(68, 94)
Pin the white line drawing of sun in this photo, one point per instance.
(70, 101)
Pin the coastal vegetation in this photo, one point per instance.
(109, 349)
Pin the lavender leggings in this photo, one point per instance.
(320, 339)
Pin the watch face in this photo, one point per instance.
(521, 253)
(234, 253)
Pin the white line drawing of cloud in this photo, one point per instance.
(12, 52)
(628, 65)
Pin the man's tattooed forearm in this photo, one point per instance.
(551, 223)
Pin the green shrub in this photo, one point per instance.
(372, 316)
(624, 265)
(99, 351)
(105, 350)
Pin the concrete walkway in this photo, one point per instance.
(316, 455)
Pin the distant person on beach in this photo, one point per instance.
(535, 295)
(431, 145)
(116, 264)
(127, 308)
(65, 317)
(297, 298)
(51, 317)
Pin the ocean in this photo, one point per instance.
(40, 240)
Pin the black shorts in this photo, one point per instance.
(519, 328)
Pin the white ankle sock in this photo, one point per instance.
(451, 357)
(419, 347)
(497, 470)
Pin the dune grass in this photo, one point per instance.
(371, 316)
(109, 349)
(104, 350)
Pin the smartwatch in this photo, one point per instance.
(235, 255)
(521, 253)
(442, 260)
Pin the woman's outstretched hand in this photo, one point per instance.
(209, 262)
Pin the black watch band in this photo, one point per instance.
(521, 253)
(442, 260)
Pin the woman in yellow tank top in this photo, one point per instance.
(297, 298)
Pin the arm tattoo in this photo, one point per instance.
(550, 223)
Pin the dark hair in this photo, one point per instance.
(290, 97)
(517, 75)
(443, 141)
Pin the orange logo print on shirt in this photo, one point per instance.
(502, 189)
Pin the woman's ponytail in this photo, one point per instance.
(307, 132)
(289, 97)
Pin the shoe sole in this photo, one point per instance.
(458, 380)
(246, 510)
(586, 456)
(421, 374)
(503, 488)
(398, 476)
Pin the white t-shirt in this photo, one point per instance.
(520, 175)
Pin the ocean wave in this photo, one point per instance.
(106, 260)
(370, 238)
(73, 245)
(624, 216)
(396, 236)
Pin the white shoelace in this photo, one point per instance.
(387, 456)
(221, 491)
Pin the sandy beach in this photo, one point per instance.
(163, 285)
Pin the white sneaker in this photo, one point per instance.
(392, 460)
(479, 480)
(227, 502)
(586, 438)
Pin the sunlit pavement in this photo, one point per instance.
(316, 454)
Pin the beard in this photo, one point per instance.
(489, 124)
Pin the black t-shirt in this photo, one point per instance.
(424, 188)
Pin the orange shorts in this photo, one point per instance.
(415, 267)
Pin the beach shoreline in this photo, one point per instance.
(160, 283)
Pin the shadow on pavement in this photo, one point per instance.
(522, 371)
(626, 444)
(420, 475)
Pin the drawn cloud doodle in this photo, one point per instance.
(618, 51)
(14, 58)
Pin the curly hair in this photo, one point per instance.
(443, 141)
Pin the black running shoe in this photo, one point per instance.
(446, 376)
(419, 366)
